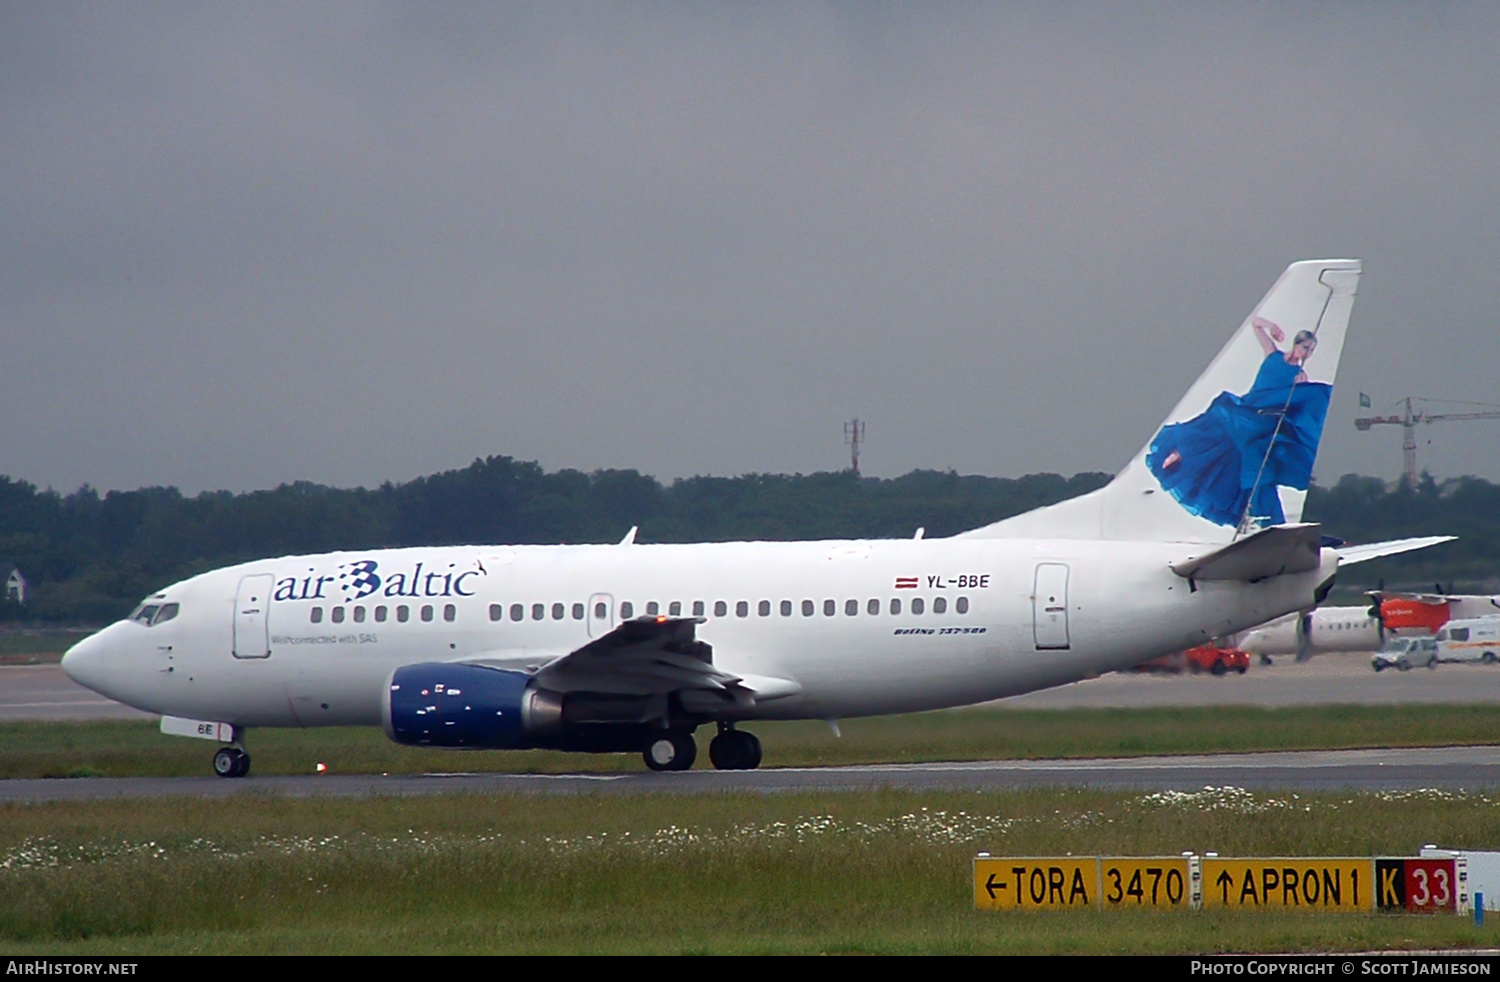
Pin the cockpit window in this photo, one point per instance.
(167, 612)
(145, 612)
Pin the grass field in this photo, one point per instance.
(872, 872)
(38, 645)
(120, 748)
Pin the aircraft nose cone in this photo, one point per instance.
(84, 663)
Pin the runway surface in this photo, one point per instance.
(1448, 768)
(42, 692)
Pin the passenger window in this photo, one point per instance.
(359, 615)
(653, 608)
(873, 607)
(1457, 634)
(557, 612)
(167, 612)
(895, 606)
(830, 607)
(721, 609)
(962, 606)
(916, 605)
(674, 609)
(578, 612)
(786, 608)
(940, 605)
(338, 615)
(403, 614)
(851, 607)
(742, 609)
(538, 611)
(497, 612)
(427, 612)
(627, 610)
(807, 608)
(697, 608)
(600, 610)
(517, 612)
(317, 615)
(450, 613)
(380, 613)
(763, 608)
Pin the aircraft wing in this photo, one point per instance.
(641, 657)
(1269, 552)
(1374, 550)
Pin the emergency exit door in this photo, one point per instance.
(1049, 606)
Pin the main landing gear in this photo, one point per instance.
(670, 750)
(676, 750)
(231, 762)
(734, 750)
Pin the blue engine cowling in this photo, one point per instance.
(439, 704)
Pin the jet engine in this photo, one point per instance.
(447, 704)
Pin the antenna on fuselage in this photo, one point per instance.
(920, 532)
(629, 539)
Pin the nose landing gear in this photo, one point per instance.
(231, 762)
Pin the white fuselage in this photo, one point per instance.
(1325, 630)
(1034, 613)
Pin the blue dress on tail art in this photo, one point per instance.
(1222, 451)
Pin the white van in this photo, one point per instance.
(1469, 639)
(1405, 653)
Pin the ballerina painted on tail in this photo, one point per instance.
(1226, 464)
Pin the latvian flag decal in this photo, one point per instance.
(906, 583)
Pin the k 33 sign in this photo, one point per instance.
(1190, 882)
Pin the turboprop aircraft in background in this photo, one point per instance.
(1362, 629)
(631, 647)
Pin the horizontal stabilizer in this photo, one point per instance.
(1270, 552)
(1374, 550)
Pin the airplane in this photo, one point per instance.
(631, 647)
(1361, 629)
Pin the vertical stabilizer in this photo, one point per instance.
(1237, 453)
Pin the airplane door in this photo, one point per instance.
(252, 607)
(601, 614)
(1049, 606)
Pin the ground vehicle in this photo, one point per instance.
(1469, 639)
(1403, 653)
(1203, 658)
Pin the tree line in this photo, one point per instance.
(90, 557)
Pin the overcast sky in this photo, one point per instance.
(246, 244)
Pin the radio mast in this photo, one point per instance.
(854, 435)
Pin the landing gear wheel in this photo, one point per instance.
(231, 762)
(670, 750)
(735, 750)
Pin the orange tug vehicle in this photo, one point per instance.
(1204, 658)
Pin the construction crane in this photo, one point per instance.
(1408, 421)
